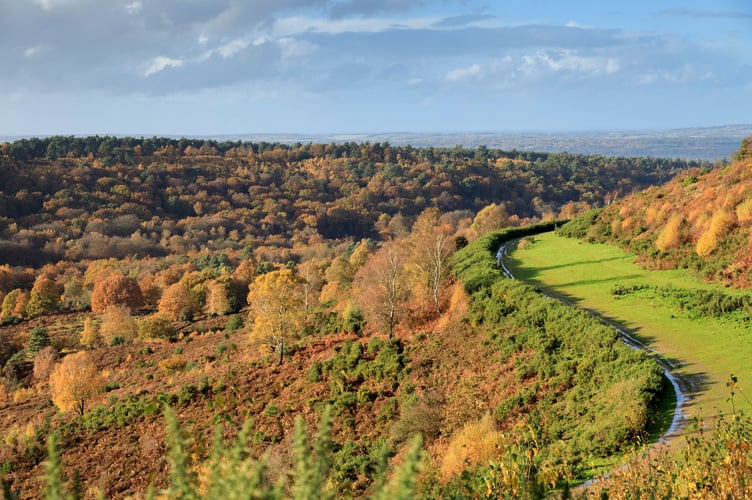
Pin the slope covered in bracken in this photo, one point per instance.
(700, 220)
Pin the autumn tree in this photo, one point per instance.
(431, 249)
(490, 218)
(116, 290)
(177, 303)
(89, 334)
(219, 297)
(670, 236)
(44, 362)
(75, 381)
(277, 309)
(75, 295)
(117, 321)
(156, 327)
(9, 304)
(380, 288)
(313, 275)
(44, 298)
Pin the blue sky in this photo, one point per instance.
(201, 67)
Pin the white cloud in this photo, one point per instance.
(35, 50)
(472, 72)
(567, 60)
(134, 7)
(203, 39)
(292, 48)
(231, 48)
(160, 62)
(50, 4)
(294, 25)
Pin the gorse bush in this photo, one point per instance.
(581, 392)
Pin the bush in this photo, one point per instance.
(234, 323)
(156, 327)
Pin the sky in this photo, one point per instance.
(213, 67)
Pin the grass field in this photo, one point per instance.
(708, 351)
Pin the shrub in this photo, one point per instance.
(172, 364)
(156, 327)
(234, 323)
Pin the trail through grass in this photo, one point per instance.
(707, 350)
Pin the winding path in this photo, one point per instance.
(682, 386)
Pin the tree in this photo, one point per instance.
(380, 289)
(9, 304)
(277, 309)
(177, 303)
(219, 300)
(116, 290)
(156, 327)
(89, 334)
(490, 218)
(117, 322)
(39, 338)
(431, 250)
(44, 298)
(44, 362)
(74, 381)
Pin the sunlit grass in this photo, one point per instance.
(707, 350)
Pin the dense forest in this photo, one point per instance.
(259, 290)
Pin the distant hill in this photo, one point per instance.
(701, 220)
(706, 143)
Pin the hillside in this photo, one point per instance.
(263, 282)
(700, 220)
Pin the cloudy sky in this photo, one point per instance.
(197, 67)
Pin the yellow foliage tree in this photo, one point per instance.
(670, 235)
(490, 218)
(218, 295)
(744, 211)
(44, 298)
(89, 335)
(75, 381)
(118, 322)
(277, 309)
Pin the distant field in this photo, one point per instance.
(708, 350)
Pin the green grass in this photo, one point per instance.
(707, 350)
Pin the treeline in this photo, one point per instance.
(66, 198)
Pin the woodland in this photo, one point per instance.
(180, 316)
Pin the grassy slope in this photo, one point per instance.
(708, 350)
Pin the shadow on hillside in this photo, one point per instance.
(571, 264)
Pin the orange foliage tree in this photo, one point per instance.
(177, 303)
(74, 381)
(116, 290)
(380, 288)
